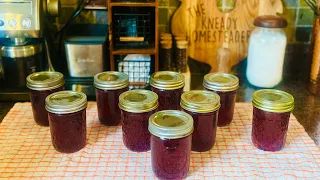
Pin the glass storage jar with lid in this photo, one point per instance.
(67, 119)
(203, 106)
(266, 51)
(225, 85)
(109, 86)
(169, 87)
(171, 141)
(42, 84)
(270, 120)
(136, 108)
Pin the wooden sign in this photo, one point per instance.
(208, 29)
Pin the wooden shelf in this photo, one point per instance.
(134, 4)
(151, 51)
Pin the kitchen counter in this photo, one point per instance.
(307, 106)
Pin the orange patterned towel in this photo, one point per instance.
(26, 152)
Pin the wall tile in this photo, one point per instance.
(65, 14)
(163, 16)
(290, 3)
(303, 3)
(303, 34)
(174, 3)
(305, 16)
(163, 2)
(290, 15)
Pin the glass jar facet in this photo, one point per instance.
(42, 84)
(136, 108)
(67, 119)
(270, 120)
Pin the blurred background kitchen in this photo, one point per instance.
(72, 37)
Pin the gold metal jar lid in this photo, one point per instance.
(182, 44)
(221, 82)
(166, 44)
(45, 80)
(65, 102)
(200, 101)
(138, 101)
(272, 100)
(166, 38)
(111, 80)
(170, 124)
(167, 80)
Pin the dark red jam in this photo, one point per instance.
(136, 136)
(170, 157)
(228, 101)
(108, 108)
(168, 99)
(269, 129)
(205, 128)
(38, 104)
(68, 131)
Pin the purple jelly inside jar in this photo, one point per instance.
(171, 142)
(67, 119)
(169, 87)
(225, 85)
(270, 120)
(203, 106)
(136, 108)
(42, 84)
(109, 86)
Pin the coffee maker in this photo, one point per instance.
(23, 47)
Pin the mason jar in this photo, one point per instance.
(267, 47)
(171, 140)
(136, 108)
(42, 84)
(270, 120)
(225, 85)
(109, 86)
(169, 87)
(67, 119)
(203, 106)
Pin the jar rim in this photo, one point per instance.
(200, 101)
(167, 80)
(138, 101)
(66, 102)
(221, 82)
(111, 80)
(45, 80)
(171, 124)
(272, 100)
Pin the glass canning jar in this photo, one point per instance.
(203, 106)
(225, 85)
(42, 84)
(171, 141)
(169, 87)
(270, 120)
(136, 108)
(67, 119)
(109, 86)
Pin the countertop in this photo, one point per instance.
(307, 106)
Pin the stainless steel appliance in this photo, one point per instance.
(85, 55)
(22, 44)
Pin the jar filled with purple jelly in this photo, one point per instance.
(171, 139)
(225, 85)
(169, 87)
(67, 119)
(203, 106)
(270, 120)
(42, 84)
(136, 108)
(109, 86)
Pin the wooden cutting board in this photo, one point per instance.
(208, 29)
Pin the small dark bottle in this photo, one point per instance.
(136, 108)
(109, 86)
(169, 87)
(181, 55)
(203, 106)
(67, 119)
(171, 141)
(166, 56)
(42, 84)
(225, 85)
(270, 120)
